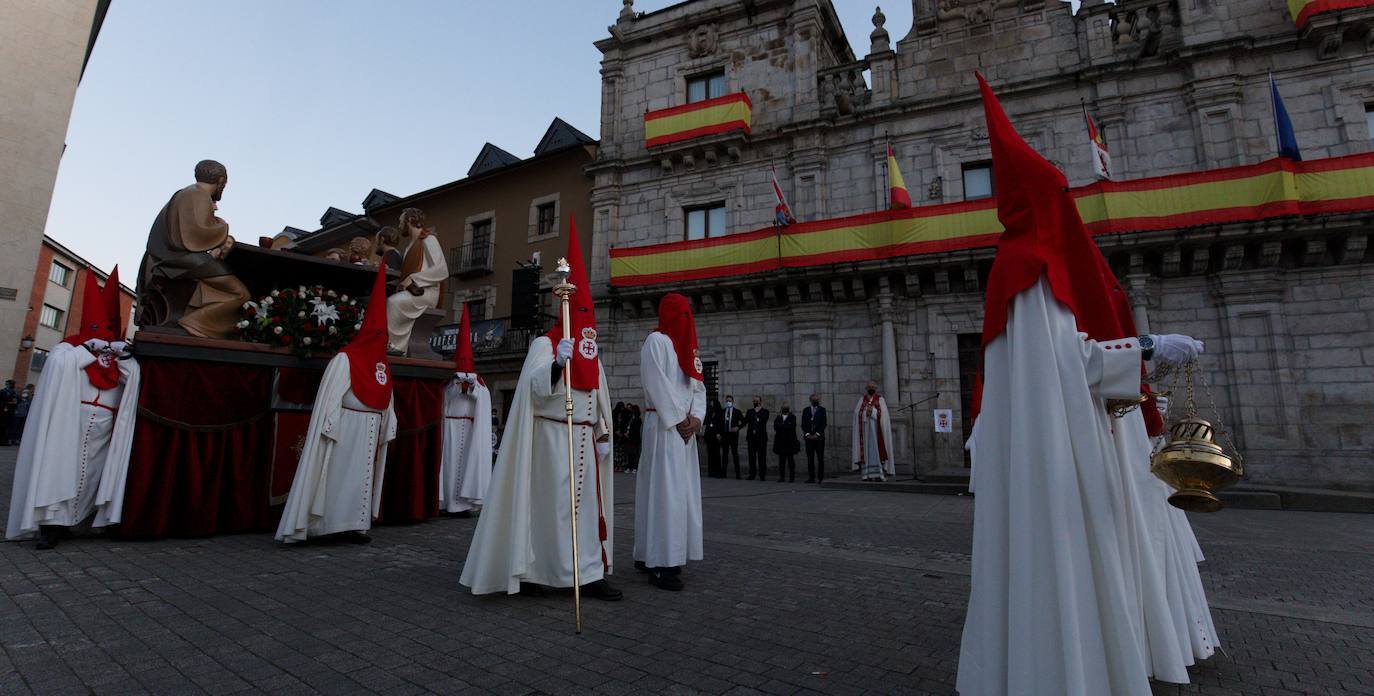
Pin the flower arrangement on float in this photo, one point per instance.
(307, 320)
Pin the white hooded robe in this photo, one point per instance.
(74, 456)
(668, 486)
(866, 457)
(338, 482)
(523, 533)
(1052, 610)
(466, 471)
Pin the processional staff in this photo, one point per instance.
(564, 290)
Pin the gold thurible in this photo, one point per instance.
(564, 290)
(1192, 462)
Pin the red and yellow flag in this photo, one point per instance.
(719, 115)
(1302, 10)
(898, 196)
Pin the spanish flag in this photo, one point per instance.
(896, 185)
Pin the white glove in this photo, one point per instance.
(564, 353)
(1176, 349)
(1162, 404)
(603, 450)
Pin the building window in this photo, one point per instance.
(710, 373)
(39, 359)
(546, 216)
(51, 317)
(1369, 120)
(977, 181)
(707, 86)
(477, 309)
(59, 274)
(705, 221)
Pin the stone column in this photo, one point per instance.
(1138, 289)
(891, 387)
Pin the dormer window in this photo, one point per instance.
(706, 86)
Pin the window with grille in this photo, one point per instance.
(710, 373)
(51, 317)
(706, 86)
(546, 218)
(477, 309)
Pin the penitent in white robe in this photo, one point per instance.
(1052, 609)
(74, 457)
(338, 483)
(466, 471)
(523, 532)
(668, 487)
(403, 308)
(1177, 621)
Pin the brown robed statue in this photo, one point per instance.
(183, 280)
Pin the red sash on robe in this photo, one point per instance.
(877, 406)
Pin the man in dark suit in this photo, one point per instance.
(733, 421)
(813, 433)
(712, 426)
(756, 438)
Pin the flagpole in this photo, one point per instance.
(1274, 114)
(887, 175)
(564, 290)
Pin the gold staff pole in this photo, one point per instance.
(564, 290)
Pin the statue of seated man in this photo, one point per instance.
(423, 269)
(187, 245)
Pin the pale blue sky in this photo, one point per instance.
(312, 103)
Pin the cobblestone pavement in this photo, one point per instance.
(802, 591)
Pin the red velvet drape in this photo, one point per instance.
(410, 489)
(201, 444)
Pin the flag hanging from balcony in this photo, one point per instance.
(898, 197)
(1283, 126)
(1102, 160)
(782, 213)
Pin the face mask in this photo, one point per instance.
(871, 392)
(729, 403)
(815, 402)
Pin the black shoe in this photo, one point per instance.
(782, 480)
(462, 514)
(751, 477)
(602, 590)
(665, 581)
(639, 566)
(46, 541)
(810, 480)
(529, 589)
(737, 477)
(355, 537)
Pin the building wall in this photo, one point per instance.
(42, 46)
(1177, 87)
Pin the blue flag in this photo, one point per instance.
(1283, 126)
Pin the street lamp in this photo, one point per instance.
(26, 343)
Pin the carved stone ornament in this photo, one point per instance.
(702, 41)
(972, 11)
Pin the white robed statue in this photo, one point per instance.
(1055, 605)
(668, 487)
(466, 470)
(872, 443)
(523, 541)
(423, 269)
(74, 456)
(338, 484)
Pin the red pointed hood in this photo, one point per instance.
(113, 314)
(369, 371)
(586, 365)
(1044, 236)
(94, 319)
(462, 355)
(675, 321)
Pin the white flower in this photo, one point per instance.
(343, 298)
(358, 326)
(333, 330)
(324, 312)
(302, 289)
(276, 293)
(277, 330)
(243, 324)
(247, 305)
(267, 302)
(300, 315)
(306, 340)
(331, 293)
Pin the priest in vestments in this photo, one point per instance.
(872, 442)
(668, 487)
(189, 242)
(1054, 606)
(523, 539)
(423, 269)
(466, 470)
(338, 484)
(74, 455)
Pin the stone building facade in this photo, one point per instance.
(1284, 305)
